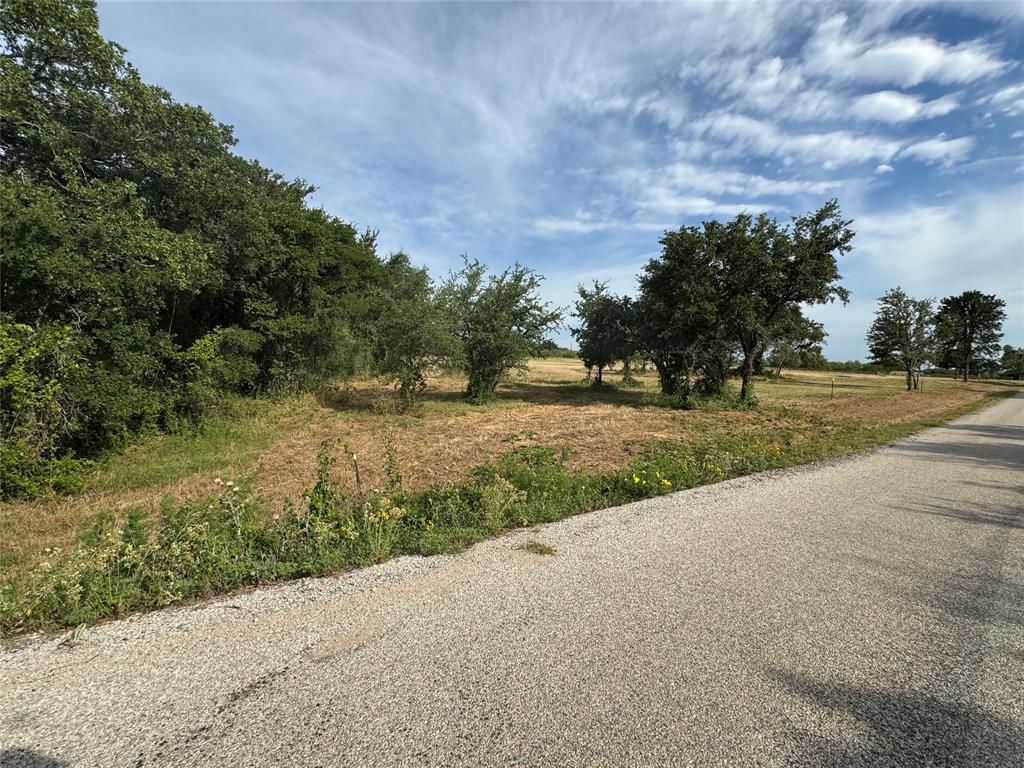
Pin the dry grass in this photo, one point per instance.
(276, 443)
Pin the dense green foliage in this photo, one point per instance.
(737, 287)
(608, 330)
(901, 333)
(412, 333)
(968, 328)
(169, 268)
(795, 341)
(499, 321)
(1011, 364)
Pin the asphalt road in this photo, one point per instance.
(868, 611)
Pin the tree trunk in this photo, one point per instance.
(600, 374)
(910, 379)
(746, 388)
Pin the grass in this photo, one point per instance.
(546, 449)
(535, 547)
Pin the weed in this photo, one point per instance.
(537, 547)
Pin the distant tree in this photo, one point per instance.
(968, 328)
(499, 320)
(766, 270)
(679, 328)
(1011, 364)
(795, 339)
(901, 333)
(411, 332)
(606, 332)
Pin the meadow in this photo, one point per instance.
(272, 445)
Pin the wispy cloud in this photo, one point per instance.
(569, 135)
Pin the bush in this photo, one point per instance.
(499, 321)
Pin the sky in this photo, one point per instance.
(570, 136)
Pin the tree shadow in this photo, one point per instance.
(27, 758)
(571, 394)
(904, 728)
(1007, 452)
(1009, 515)
(369, 400)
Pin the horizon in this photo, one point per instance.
(569, 137)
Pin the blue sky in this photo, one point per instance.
(569, 136)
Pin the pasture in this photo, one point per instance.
(272, 444)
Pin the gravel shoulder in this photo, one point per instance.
(865, 611)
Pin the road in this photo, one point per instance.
(868, 611)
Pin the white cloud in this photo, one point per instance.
(579, 224)
(884, 168)
(897, 107)
(841, 53)
(665, 201)
(1009, 100)
(747, 134)
(663, 109)
(940, 150)
(707, 179)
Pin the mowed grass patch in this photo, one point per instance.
(274, 443)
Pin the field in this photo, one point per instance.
(273, 444)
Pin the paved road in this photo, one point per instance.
(864, 612)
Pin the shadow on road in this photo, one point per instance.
(26, 758)
(1004, 447)
(1002, 515)
(901, 727)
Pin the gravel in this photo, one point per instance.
(866, 611)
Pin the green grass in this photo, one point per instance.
(234, 437)
(535, 547)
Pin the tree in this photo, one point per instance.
(765, 270)
(679, 327)
(179, 265)
(411, 332)
(499, 320)
(1011, 364)
(901, 333)
(968, 328)
(607, 332)
(795, 338)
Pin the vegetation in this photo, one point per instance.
(412, 333)
(172, 311)
(737, 286)
(148, 270)
(967, 330)
(901, 333)
(608, 330)
(537, 547)
(121, 563)
(500, 321)
(1011, 364)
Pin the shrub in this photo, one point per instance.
(499, 320)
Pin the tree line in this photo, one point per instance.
(148, 270)
(718, 293)
(961, 335)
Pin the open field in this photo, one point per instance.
(274, 443)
